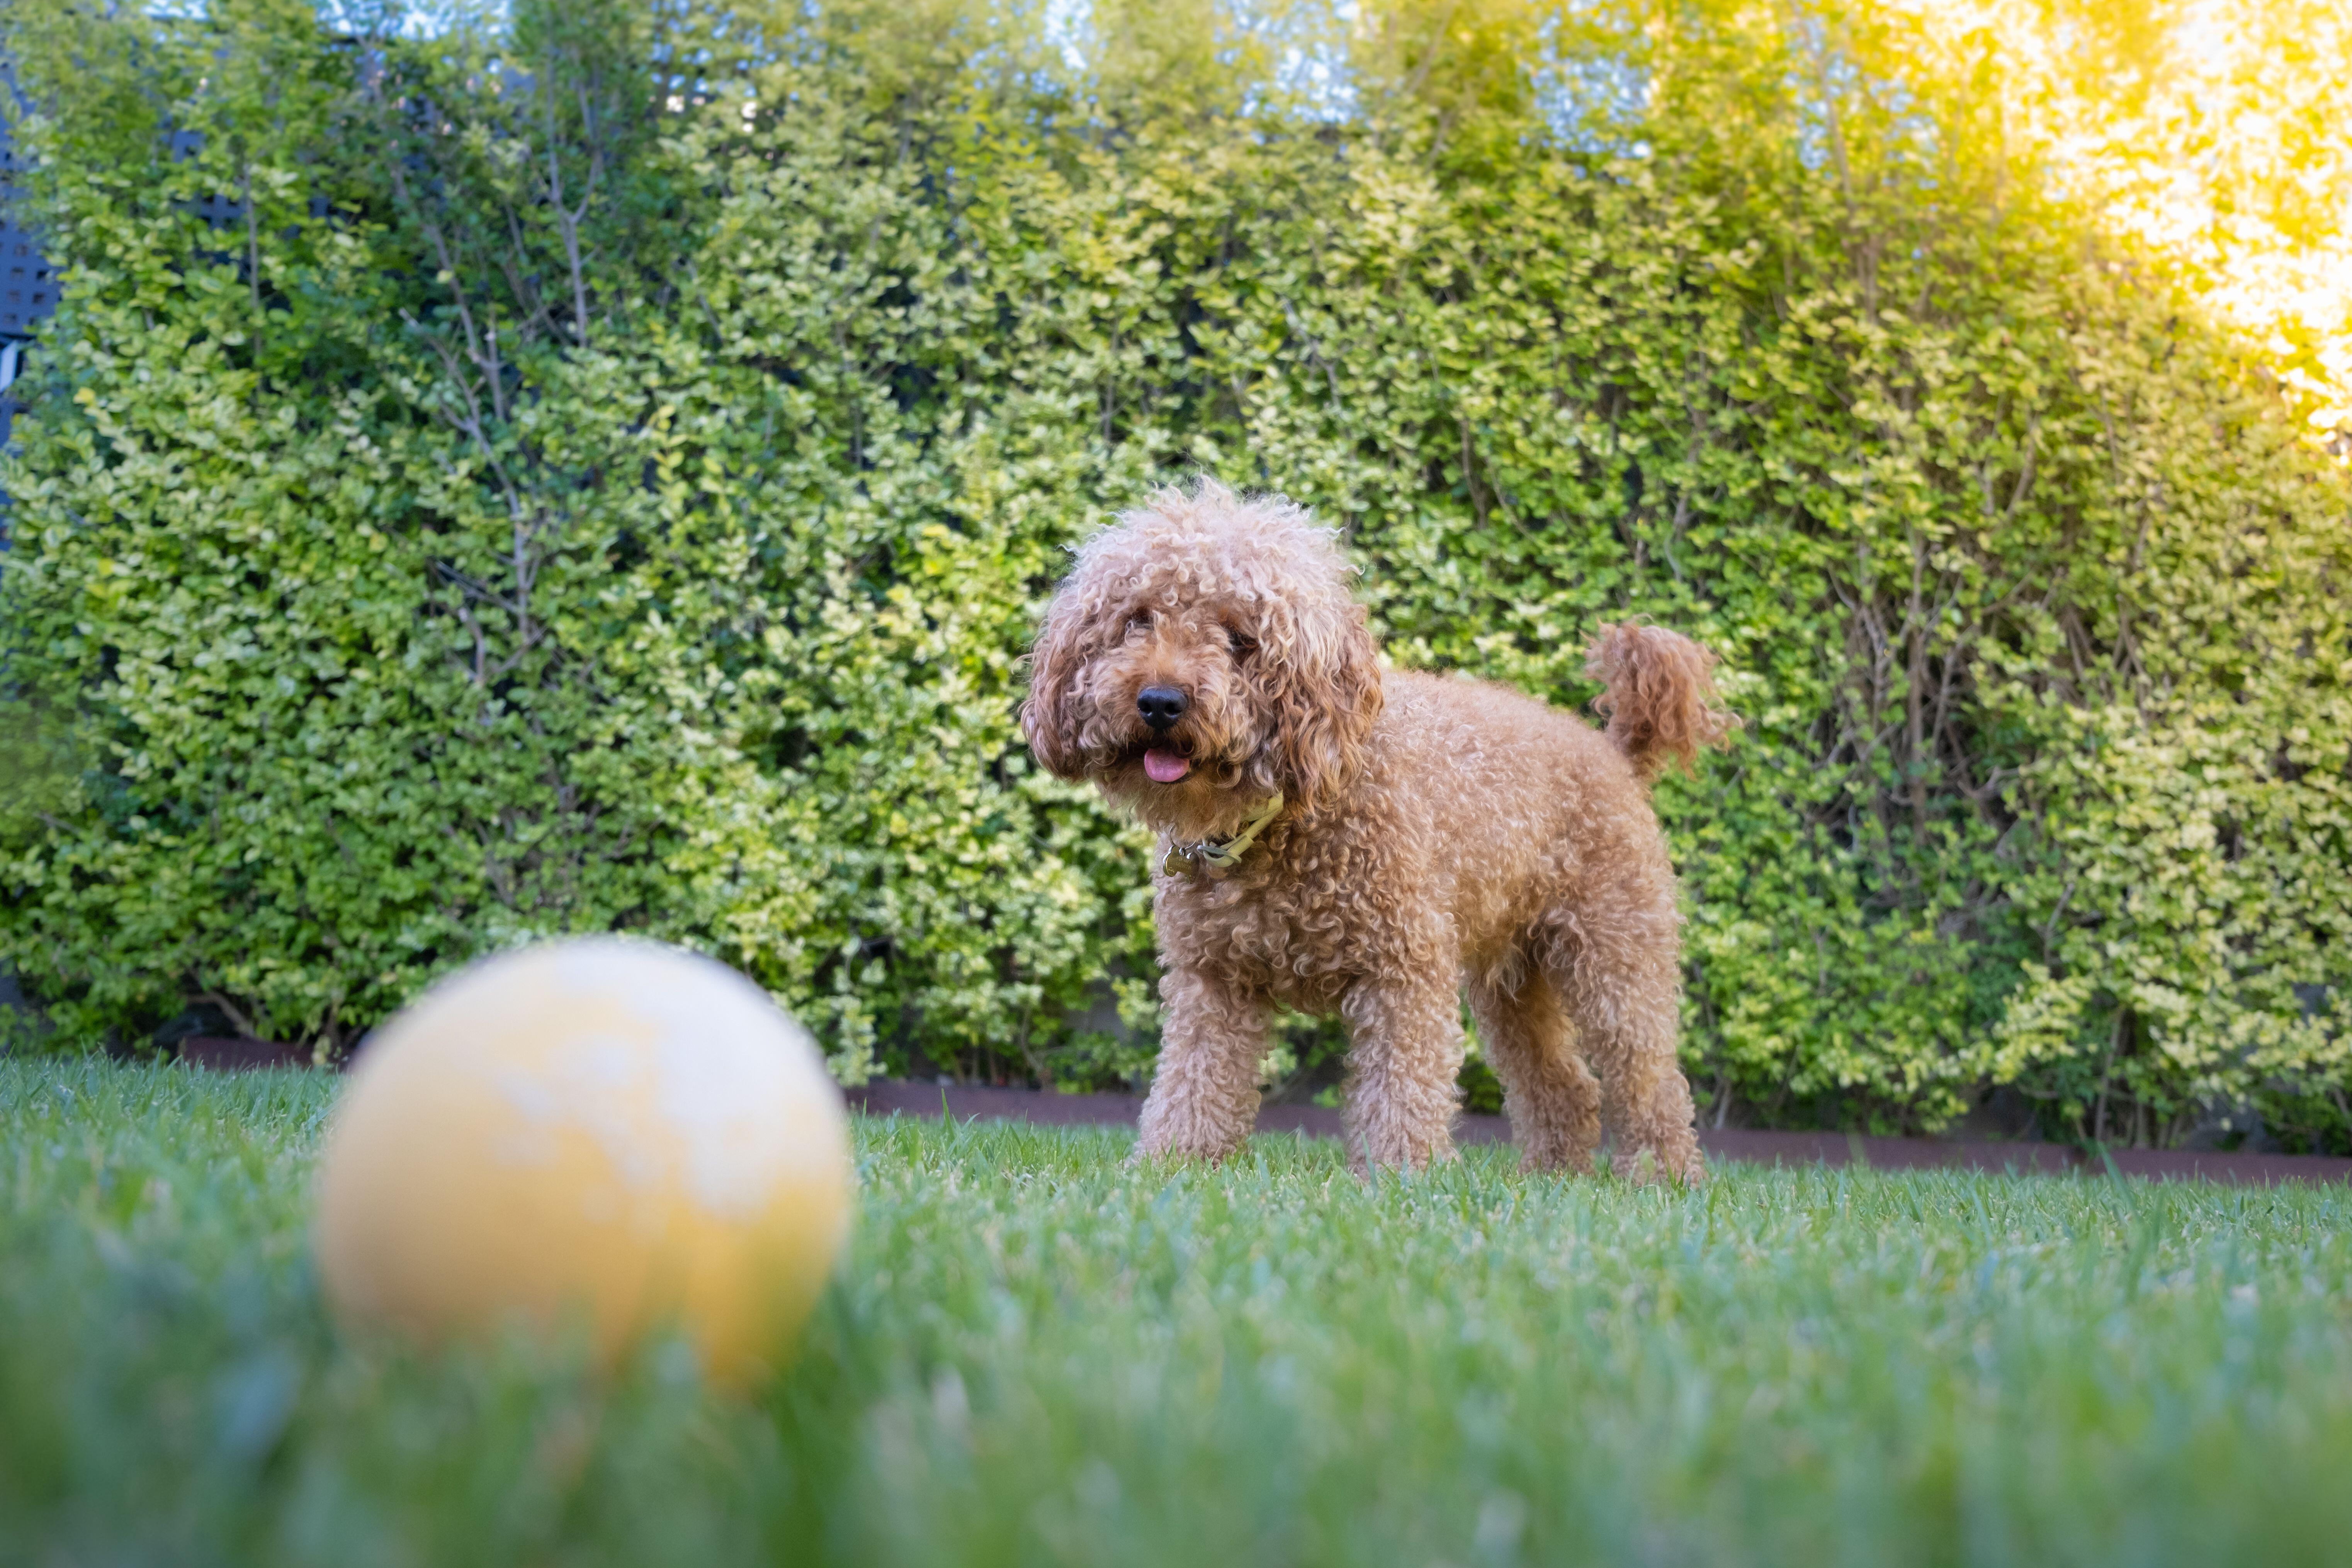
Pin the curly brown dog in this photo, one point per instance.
(1339, 839)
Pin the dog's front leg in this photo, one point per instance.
(1404, 1053)
(1203, 1098)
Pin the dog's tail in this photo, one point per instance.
(1660, 702)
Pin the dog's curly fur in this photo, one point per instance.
(1439, 834)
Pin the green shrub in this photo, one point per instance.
(603, 473)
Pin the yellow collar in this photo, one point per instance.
(1219, 859)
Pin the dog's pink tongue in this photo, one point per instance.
(1165, 766)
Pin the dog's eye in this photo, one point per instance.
(1241, 642)
(1140, 622)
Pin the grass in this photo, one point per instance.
(1036, 1356)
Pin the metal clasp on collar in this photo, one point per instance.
(1219, 859)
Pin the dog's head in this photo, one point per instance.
(1204, 654)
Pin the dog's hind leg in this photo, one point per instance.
(1551, 1098)
(1622, 982)
(1203, 1098)
(1404, 1054)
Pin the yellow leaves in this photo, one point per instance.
(2220, 155)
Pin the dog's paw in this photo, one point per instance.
(1646, 1167)
(1175, 1157)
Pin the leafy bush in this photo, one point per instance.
(602, 474)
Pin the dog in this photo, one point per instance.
(1339, 839)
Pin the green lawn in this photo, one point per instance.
(1036, 1356)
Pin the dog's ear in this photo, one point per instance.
(1322, 678)
(1048, 718)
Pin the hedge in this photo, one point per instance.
(600, 472)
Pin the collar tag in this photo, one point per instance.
(1217, 858)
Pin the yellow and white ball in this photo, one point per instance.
(602, 1132)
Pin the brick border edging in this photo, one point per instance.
(967, 1102)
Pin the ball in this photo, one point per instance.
(598, 1136)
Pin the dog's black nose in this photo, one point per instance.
(1160, 705)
